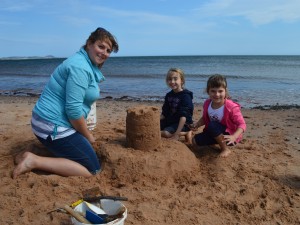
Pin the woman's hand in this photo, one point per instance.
(80, 126)
(91, 138)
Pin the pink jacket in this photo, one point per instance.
(232, 118)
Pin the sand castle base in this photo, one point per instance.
(171, 160)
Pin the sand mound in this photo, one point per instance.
(171, 160)
(146, 155)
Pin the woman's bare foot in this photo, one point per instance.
(24, 163)
(226, 152)
(19, 157)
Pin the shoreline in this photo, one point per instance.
(140, 100)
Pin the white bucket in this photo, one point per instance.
(108, 206)
(91, 119)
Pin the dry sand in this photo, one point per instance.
(259, 183)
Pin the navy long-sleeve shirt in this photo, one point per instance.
(178, 105)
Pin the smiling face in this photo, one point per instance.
(99, 45)
(175, 82)
(99, 51)
(216, 89)
(217, 95)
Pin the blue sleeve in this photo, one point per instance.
(77, 83)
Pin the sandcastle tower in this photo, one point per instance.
(143, 128)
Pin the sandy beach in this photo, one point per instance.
(259, 183)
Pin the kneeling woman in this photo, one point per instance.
(59, 116)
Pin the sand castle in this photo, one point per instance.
(143, 128)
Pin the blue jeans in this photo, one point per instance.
(76, 148)
(171, 128)
(207, 137)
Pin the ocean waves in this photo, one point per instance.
(252, 80)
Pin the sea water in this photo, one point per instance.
(252, 80)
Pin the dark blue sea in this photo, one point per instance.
(252, 80)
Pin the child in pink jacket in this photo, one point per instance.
(223, 120)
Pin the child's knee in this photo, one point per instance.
(213, 125)
(165, 134)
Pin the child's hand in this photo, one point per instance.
(229, 139)
(194, 126)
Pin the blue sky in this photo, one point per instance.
(152, 27)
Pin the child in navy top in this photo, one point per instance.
(177, 110)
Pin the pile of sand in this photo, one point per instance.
(258, 183)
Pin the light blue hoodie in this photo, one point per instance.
(71, 90)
